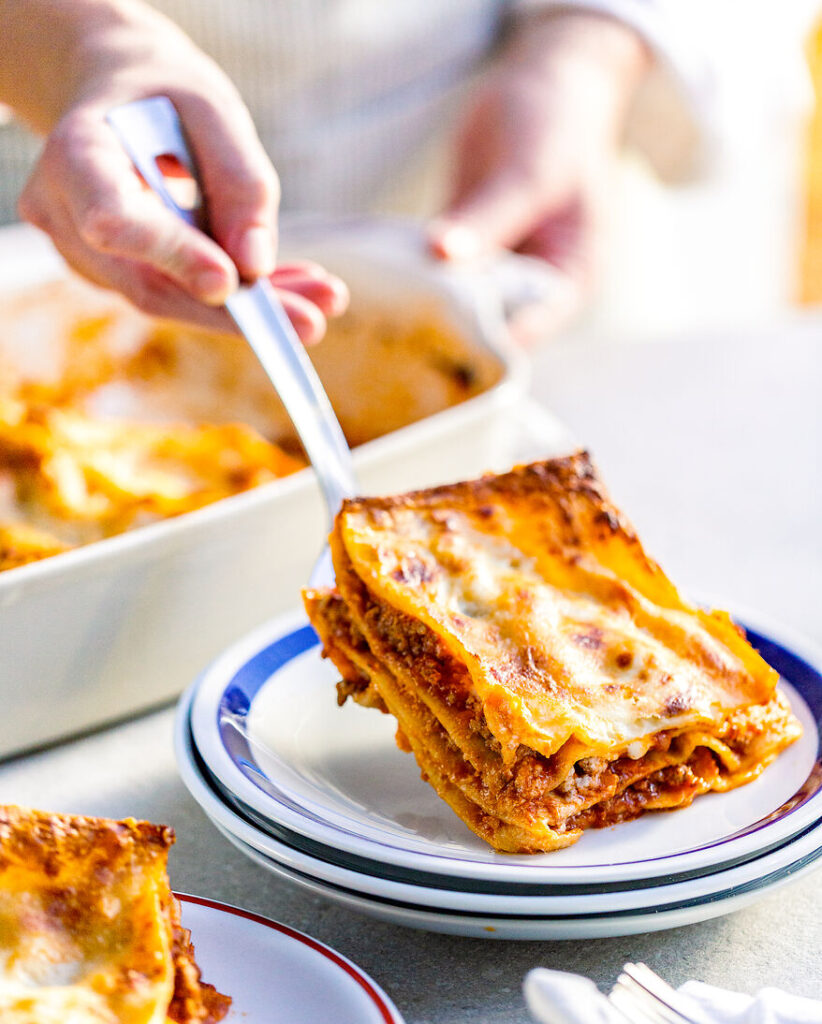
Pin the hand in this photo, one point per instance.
(535, 148)
(85, 193)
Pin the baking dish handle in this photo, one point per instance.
(507, 280)
(521, 282)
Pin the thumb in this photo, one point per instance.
(498, 212)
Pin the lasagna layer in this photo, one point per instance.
(540, 691)
(536, 805)
(90, 932)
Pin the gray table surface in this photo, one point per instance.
(713, 446)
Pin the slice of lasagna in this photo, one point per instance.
(90, 932)
(543, 670)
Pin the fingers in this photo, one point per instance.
(496, 213)
(157, 295)
(161, 298)
(147, 289)
(239, 183)
(115, 214)
(109, 227)
(528, 146)
(565, 238)
(314, 283)
(145, 231)
(85, 170)
(309, 322)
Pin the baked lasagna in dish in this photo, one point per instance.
(90, 932)
(21, 544)
(543, 670)
(68, 478)
(110, 421)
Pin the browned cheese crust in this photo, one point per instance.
(89, 926)
(640, 701)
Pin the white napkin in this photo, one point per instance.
(554, 997)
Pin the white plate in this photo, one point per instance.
(796, 853)
(487, 926)
(276, 975)
(265, 722)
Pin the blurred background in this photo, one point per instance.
(715, 212)
(741, 243)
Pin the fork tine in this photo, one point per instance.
(623, 1005)
(642, 977)
(660, 1012)
(633, 1007)
(625, 1018)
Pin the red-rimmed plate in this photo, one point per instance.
(276, 975)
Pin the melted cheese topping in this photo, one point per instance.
(536, 584)
(543, 671)
(88, 929)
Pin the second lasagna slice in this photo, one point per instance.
(543, 670)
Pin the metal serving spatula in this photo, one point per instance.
(151, 128)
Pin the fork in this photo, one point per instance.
(151, 128)
(641, 997)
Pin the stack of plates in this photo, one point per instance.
(321, 796)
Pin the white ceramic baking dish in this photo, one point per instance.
(120, 625)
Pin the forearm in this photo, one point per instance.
(597, 57)
(55, 52)
(533, 152)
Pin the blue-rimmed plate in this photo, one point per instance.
(755, 874)
(539, 926)
(265, 723)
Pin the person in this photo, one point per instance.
(86, 195)
(346, 95)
